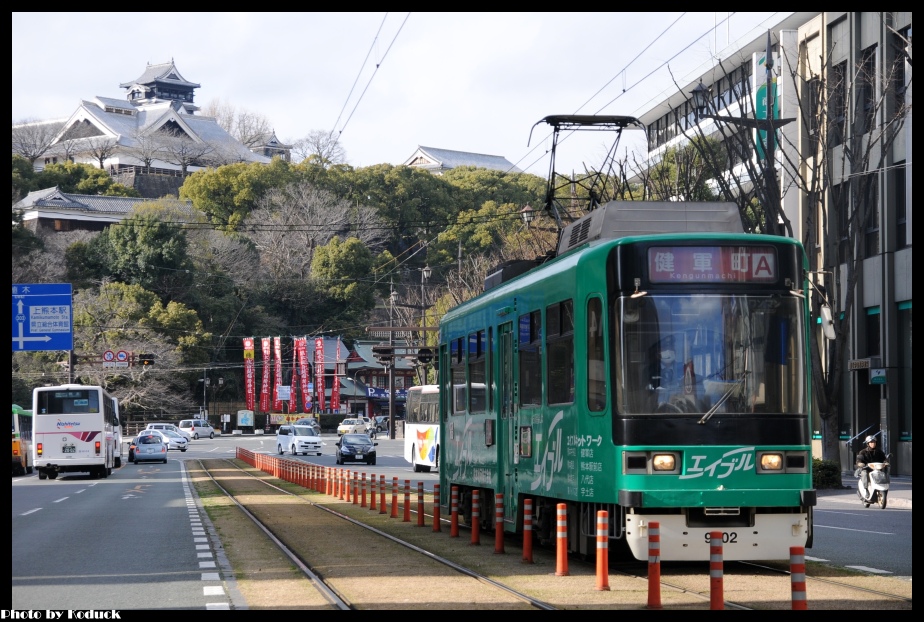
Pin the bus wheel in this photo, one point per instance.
(118, 462)
(42, 474)
(53, 475)
(29, 470)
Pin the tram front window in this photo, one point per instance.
(710, 354)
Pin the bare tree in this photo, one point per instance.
(320, 147)
(182, 151)
(291, 222)
(32, 138)
(249, 128)
(100, 147)
(146, 147)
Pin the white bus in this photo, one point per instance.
(76, 428)
(422, 427)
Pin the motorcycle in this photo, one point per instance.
(877, 491)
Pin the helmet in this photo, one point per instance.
(870, 439)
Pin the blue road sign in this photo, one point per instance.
(43, 317)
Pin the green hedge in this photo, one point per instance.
(826, 474)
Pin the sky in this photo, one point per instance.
(386, 83)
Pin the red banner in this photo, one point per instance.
(293, 393)
(302, 345)
(267, 369)
(335, 389)
(277, 348)
(249, 380)
(319, 370)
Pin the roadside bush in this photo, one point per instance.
(826, 474)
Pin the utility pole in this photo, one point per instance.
(391, 365)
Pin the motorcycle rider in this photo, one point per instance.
(870, 453)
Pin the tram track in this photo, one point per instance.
(326, 582)
(535, 585)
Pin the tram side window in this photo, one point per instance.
(596, 370)
(559, 319)
(476, 372)
(457, 373)
(530, 351)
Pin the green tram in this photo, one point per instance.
(656, 368)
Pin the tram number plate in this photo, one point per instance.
(69, 449)
(728, 537)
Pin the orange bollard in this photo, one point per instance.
(454, 512)
(420, 504)
(603, 551)
(476, 518)
(436, 507)
(716, 570)
(797, 577)
(527, 531)
(363, 504)
(355, 487)
(561, 540)
(654, 565)
(327, 488)
(383, 492)
(498, 522)
(373, 500)
(407, 501)
(394, 497)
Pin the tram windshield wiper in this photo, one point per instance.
(724, 398)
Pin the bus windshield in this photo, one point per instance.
(710, 354)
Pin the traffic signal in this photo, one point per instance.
(146, 359)
(424, 356)
(384, 354)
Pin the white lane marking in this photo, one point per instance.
(210, 576)
(868, 569)
(213, 590)
(203, 565)
(217, 606)
(878, 533)
(60, 500)
(30, 512)
(79, 491)
(816, 559)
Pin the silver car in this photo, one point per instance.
(173, 440)
(150, 447)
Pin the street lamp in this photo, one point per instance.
(425, 273)
(393, 298)
(527, 214)
(702, 103)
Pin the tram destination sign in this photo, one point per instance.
(42, 317)
(712, 264)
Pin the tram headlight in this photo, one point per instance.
(771, 461)
(663, 462)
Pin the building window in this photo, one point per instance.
(870, 184)
(866, 91)
(837, 103)
(872, 332)
(901, 210)
(905, 378)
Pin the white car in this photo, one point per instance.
(197, 427)
(298, 439)
(171, 427)
(353, 425)
(173, 440)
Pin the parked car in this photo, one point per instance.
(355, 448)
(197, 427)
(381, 423)
(131, 449)
(370, 426)
(169, 426)
(298, 439)
(310, 421)
(150, 447)
(352, 426)
(174, 440)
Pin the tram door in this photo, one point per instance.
(507, 420)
